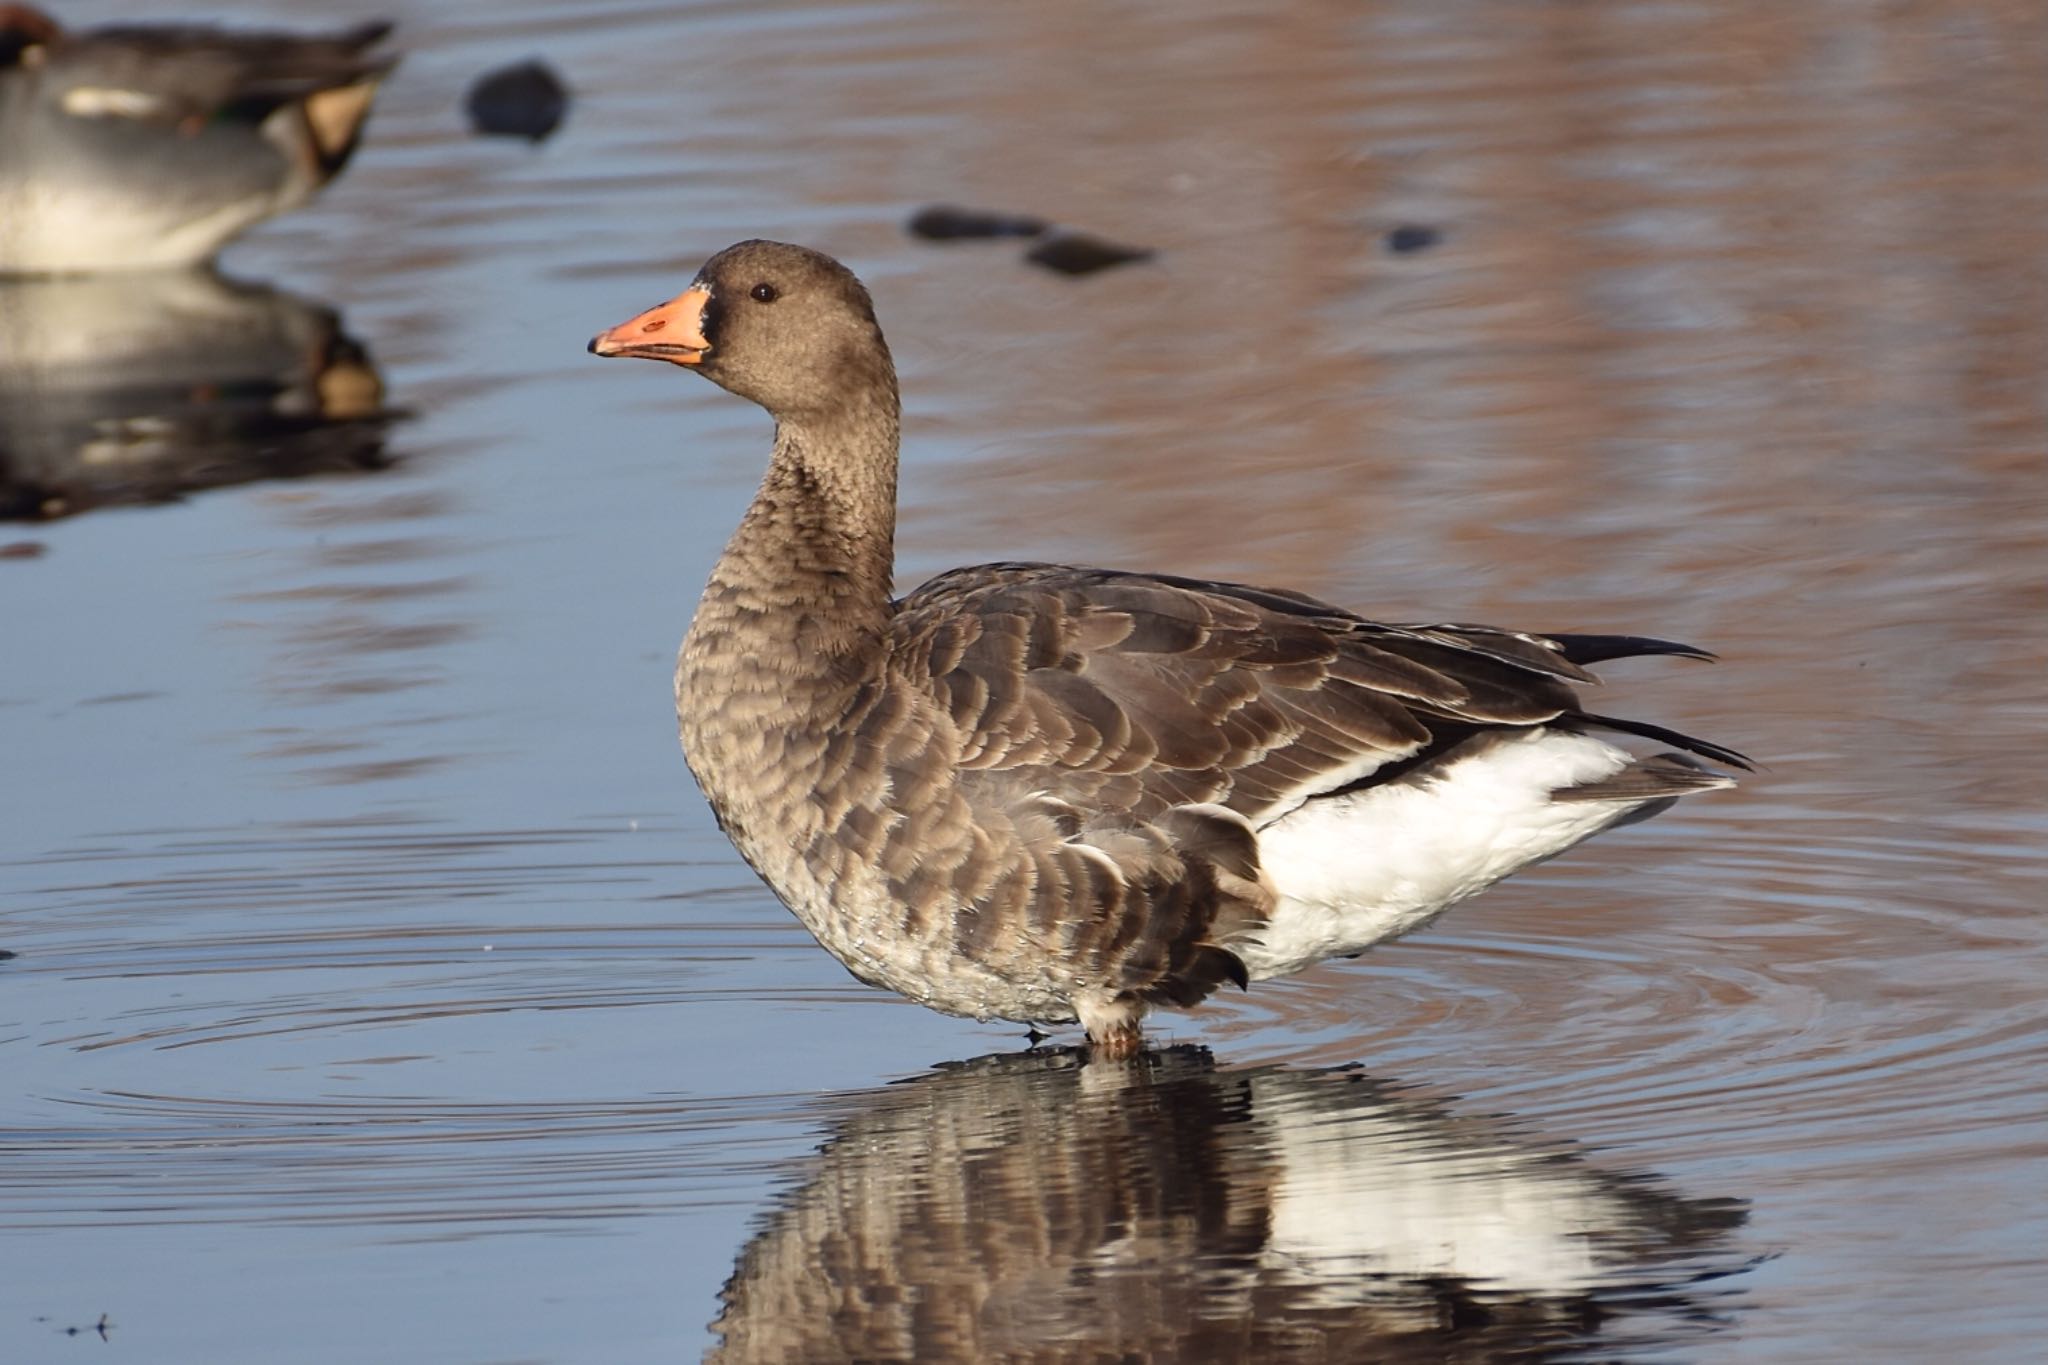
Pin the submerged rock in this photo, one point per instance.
(1068, 252)
(1412, 237)
(951, 223)
(525, 100)
(1077, 253)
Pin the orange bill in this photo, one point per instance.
(673, 331)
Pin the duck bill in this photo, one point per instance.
(673, 331)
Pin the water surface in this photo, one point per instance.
(384, 989)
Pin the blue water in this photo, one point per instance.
(384, 990)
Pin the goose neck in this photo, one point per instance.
(816, 549)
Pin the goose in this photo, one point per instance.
(1053, 794)
(150, 146)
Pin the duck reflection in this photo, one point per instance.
(1030, 1207)
(140, 387)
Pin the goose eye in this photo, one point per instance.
(766, 293)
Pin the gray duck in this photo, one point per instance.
(1048, 794)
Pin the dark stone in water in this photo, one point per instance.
(527, 100)
(1076, 253)
(951, 223)
(23, 549)
(1413, 237)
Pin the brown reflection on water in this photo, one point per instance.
(1705, 276)
(1031, 1207)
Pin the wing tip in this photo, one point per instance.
(1642, 729)
(1594, 649)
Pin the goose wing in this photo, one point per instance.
(1116, 713)
(1138, 692)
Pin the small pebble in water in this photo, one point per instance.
(525, 100)
(951, 223)
(1412, 237)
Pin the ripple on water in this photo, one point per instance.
(1761, 1011)
(1748, 1021)
(316, 1026)
(300, 930)
(393, 1161)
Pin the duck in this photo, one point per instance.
(1054, 794)
(150, 146)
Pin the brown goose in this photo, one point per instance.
(1045, 793)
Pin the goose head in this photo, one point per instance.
(783, 326)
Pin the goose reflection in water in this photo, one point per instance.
(142, 387)
(1033, 1207)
